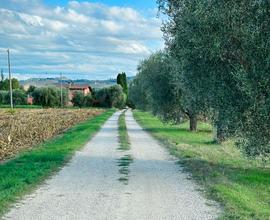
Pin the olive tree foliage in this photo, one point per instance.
(4, 83)
(19, 97)
(112, 96)
(157, 88)
(137, 94)
(223, 47)
(49, 96)
(80, 100)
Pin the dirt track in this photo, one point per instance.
(102, 182)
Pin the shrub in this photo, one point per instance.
(19, 97)
(88, 101)
(3, 95)
(78, 99)
(111, 97)
(49, 97)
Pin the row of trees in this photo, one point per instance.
(114, 96)
(51, 97)
(107, 97)
(216, 64)
(19, 97)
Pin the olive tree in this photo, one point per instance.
(155, 88)
(49, 96)
(112, 96)
(223, 50)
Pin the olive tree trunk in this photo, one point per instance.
(193, 122)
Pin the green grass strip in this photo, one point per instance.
(23, 106)
(123, 135)
(241, 185)
(22, 174)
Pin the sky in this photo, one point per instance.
(94, 39)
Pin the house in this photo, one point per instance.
(84, 89)
(30, 100)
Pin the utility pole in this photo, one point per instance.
(10, 83)
(61, 83)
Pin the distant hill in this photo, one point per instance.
(41, 82)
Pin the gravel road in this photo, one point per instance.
(102, 182)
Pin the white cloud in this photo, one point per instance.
(83, 37)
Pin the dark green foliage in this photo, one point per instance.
(49, 97)
(80, 100)
(223, 51)
(122, 81)
(137, 95)
(88, 101)
(111, 97)
(31, 89)
(4, 85)
(19, 97)
(3, 95)
(158, 89)
(2, 76)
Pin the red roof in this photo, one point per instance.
(79, 87)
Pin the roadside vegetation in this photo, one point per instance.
(240, 184)
(20, 175)
(23, 106)
(214, 68)
(123, 135)
(125, 161)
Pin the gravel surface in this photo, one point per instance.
(99, 183)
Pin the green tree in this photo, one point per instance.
(4, 85)
(88, 101)
(156, 88)
(3, 95)
(31, 89)
(111, 97)
(221, 48)
(78, 99)
(19, 97)
(122, 81)
(49, 97)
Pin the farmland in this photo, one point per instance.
(25, 128)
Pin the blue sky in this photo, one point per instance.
(136, 4)
(82, 39)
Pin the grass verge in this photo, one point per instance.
(241, 185)
(125, 161)
(123, 135)
(22, 106)
(20, 175)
